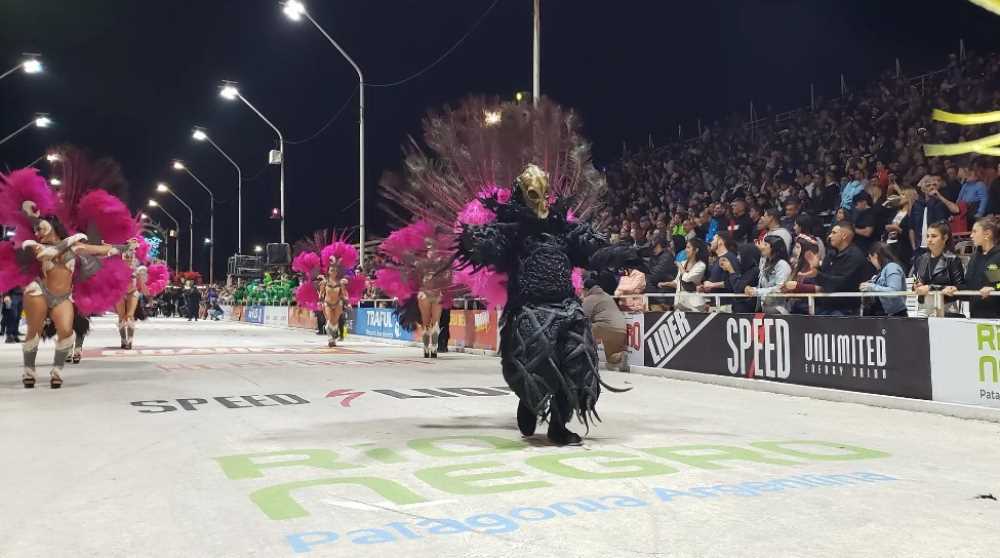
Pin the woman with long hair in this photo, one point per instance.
(745, 274)
(983, 272)
(890, 278)
(690, 274)
(126, 307)
(938, 268)
(774, 272)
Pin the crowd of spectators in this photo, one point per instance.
(837, 198)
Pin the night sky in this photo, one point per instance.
(130, 78)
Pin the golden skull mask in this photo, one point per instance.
(534, 185)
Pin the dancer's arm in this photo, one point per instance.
(480, 246)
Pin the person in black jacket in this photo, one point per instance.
(662, 269)
(12, 305)
(744, 274)
(844, 268)
(983, 272)
(193, 299)
(938, 268)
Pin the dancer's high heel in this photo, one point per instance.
(55, 381)
(28, 378)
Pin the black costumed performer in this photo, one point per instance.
(67, 275)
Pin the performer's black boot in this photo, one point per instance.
(526, 419)
(559, 415)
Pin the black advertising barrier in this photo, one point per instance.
(887, 356)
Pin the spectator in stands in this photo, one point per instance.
(740, 225)
(983, 272)
(803, 272)
(932, 208)
(829, 198)
(724, 248)
(890, 278)
(743, 274)
(844, 268)
(662, 269)
(865, 221)
(690, 274)
(987, 170)
(897, 230)
(852, 189)
(632, 283)
(793, 209)
(771, 224)
(606, 319)
(774, 273)
(974, 192)
(937, 268)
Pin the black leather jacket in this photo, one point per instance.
(947, 272)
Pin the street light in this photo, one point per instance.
(55, 182)
(258, 249)
(30, 65)
(180, 166)
(161, 187)
(200, 134)
(296, 10)
(39, 121)
(230, 92)
(177, 240)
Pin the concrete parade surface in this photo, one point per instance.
(224, 439)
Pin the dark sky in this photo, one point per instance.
(129, 78)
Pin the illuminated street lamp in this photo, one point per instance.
(200, 134)
(161, 187)
(180, 166)
(39, 121)
(31, 65)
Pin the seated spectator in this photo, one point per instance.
(632, 283)
(662, 269)
(852, 189)
(936, 269)
(742, 274)
(774, 272)
(803, 272)
(724, 248)
(844, 268)
(933, 207)
(740, 225)
(689, 275)
(983, 272)
(606, 320)
(890, 278)
(771, 225)
(792, 212)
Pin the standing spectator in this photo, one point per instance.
(852, 189)
(897, 231)
(937, 268)
(987, 168)
(932, 208)
(724, 248)
(607, 322)
(829, 199)
(983, 272)
(792, 212)
(743, 274)
(771, 223)
(192, 298)
(774, 273)
(890, 278)
(740, 225)
(865, 221)
(974, 191)
(12, 302)
(689, 275)
(662, 269)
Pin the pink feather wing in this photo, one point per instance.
(108, 215)
(11, 274)
(104, 289)
(307, 297)
(157, 278)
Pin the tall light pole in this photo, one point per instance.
(296, 10)
(180, 166)
(161, 187)
(177, 236)
(536, 90)
(230, 92)
(201, 135)
(31, 65)
(50, 157)
(40, 121)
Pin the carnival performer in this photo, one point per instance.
(340, 285)
(66, 275)
(135, 256)
(547, 347)
(418, 273)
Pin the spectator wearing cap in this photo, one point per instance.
(865, 221)
(606, 319)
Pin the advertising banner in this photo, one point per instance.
(236, 313)
(965, 361)
(379, 322)
(887, 356)
(475, 329)
(276, 316)
(254, 314)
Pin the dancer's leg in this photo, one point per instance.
(62, 318)
(435, 323)
(424, 305)
(131, 303)
(36, 311)
(121, 308)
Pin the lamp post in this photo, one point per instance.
(296, 10)
(230, 92)
(200, 134)
(161, 187)
(39, 121)
(52, 158)
(177, 240)
(31, 65)
(180, 166)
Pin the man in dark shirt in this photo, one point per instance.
(723, 247)
(865, 222)
(741, 226)
(844, 269)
